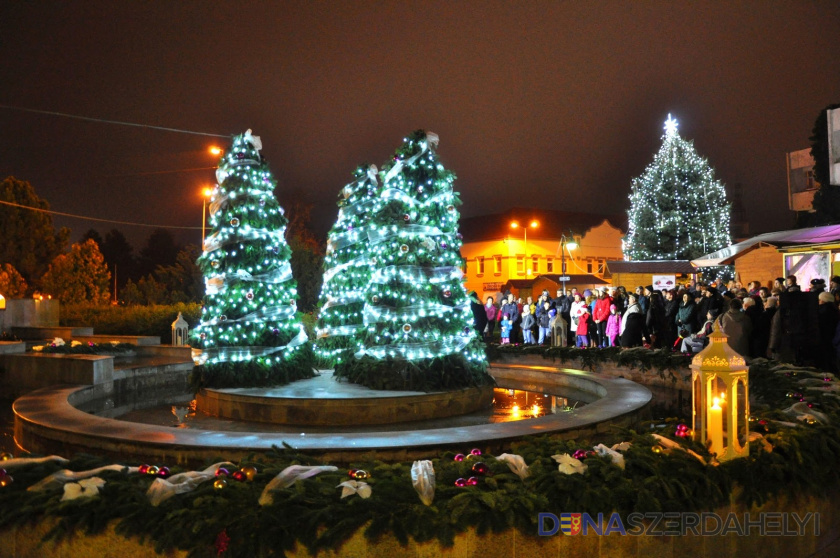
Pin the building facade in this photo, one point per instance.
(517, 247)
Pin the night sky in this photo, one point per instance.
(552, 104)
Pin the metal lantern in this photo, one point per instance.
(720, 398)
(180, 330)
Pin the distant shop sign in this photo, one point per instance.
(493, 286)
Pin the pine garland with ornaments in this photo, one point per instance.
(418, 330)
(678, 209)
(347, 269)
(250, 332)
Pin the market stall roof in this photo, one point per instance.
(656, 267)
(798, 237)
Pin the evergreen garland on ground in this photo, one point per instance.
(311, 513)
(663, 361)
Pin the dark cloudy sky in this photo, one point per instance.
(555, 104)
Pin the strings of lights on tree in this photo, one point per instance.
(678, 209)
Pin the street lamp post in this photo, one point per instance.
(205, 194)
(533, 224)
(564, 244)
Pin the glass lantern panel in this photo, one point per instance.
(717, 407)
(696, 387)
(741, 412)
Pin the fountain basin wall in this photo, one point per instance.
(236, 405)
(47, 421)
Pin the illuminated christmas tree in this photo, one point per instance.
(347, 269)
(678, 210)
(419, 332)
(250, 333)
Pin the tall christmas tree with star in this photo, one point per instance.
(678, 209)
(250, 333)
(418, 332)
(347, 269)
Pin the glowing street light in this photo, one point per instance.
(533, 224)
(215, 150)
(564, 245)
(205, 195)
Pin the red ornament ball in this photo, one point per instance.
(238, 476)
(234, 222)
(6, 481)
(459, 457)
(222, 472)
(461, 482)
(3, 473)
(406, 217)
(480, 468)
(143, 469)
(447, 293)
(164, 472)
(472, 481)
(475, 451)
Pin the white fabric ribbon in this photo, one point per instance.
(516, 463)
(226, 354)
(417, 350)
(377, 236)
(59, 478)
(431, 139)
(413, 274)
(10, 464)
(616, 457)
(163, 489)
(289, 476)
(423, 479)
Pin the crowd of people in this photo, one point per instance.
(782, 321)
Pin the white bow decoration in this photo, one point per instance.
(569, 465)
(87, 488)
(163, 489)
(348, 488)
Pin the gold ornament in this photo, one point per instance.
(250, 472)
(219, 484)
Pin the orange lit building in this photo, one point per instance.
(520, 250)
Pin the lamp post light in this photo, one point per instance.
(205, 195)
(533, 224)
(565, 244)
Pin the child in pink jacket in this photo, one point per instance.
(613, 326)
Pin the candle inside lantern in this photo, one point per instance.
(716, 427)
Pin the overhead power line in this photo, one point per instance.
(95, 218)
(105, 121)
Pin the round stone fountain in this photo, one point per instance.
(50, 420)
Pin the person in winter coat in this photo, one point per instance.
(479, 315)
(577, 307)
(655, 321)
(695, 342)
(491, 311)
(827, 319)
(761, 332)
(527, 326)
(632, 327)
(599, 316)
(545, 322)
(506, 325)
(685, 315)
(613, 327)
(513, 313)
(584, 321)
(737, 327)
(672, 305)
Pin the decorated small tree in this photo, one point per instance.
(250, 333)
(347, 269)
(678, 209)
(418, 330)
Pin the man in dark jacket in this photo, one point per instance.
(512, 310)
(737, 327)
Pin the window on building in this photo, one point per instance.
(589, 267)
(520, 265)
(497, 265)
(479, 265)
(549, 265)
(535, 264)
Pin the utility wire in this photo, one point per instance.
(95, 218)
(91, 119)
